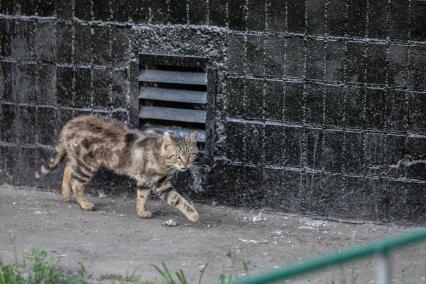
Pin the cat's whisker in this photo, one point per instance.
(174, 174)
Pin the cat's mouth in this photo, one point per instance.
(182, 169)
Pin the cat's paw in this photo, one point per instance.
(193, 216)
(87, 206)
(145, 214)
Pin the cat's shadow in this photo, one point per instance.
(108, 207)
(105, 206)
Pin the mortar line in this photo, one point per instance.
(187, 9)
(306, 176)
(317, 171)
(61, 107)
(209, 27)
(110, 74)
(264, 93)
(92, 58)
(37, 89)
(330, 128)
(56, 109)
(227, 15)
(389, 95)
(303, 153)
(285, 70)
(207, 12)
(407, 93)
(324, 96)
(129, 89)
(28, 18)
(73, 54)
(226, 29)
(92, 55)
(245, 67)
(320, 82)
(283, 86)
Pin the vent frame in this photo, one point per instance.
(161, 89)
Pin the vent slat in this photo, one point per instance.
(180, 132)
(173, 114)
(173, 95)
(173, 77)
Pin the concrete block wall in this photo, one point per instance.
(326, 108)
(320, 106)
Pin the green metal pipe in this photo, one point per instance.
(376, 247)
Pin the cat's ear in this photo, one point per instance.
(193, 137)
(167, 139)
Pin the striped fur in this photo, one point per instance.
(90, 142)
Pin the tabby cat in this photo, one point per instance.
(89, 142)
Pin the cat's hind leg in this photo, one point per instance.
(141, 197)
(80, 177)
(66, 182)
(168, 194)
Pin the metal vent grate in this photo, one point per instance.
(173, 94)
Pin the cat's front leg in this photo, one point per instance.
(141, 197)
(168, 194)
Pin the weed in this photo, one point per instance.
(37, 269)
(165, 273)
(343, 279)
(246, 266)
(127, 279)
(180, 275)
(180, 278)
(202, 273)
(224, 279)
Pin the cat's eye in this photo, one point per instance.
(176, 156)
(191, 155)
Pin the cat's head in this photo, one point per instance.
(179, 152)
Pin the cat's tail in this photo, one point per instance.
(54, 161)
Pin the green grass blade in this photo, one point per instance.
(165, 273)
(159, 271)
(167, 270)
(202, 271)
(181, 277)
(246, 266)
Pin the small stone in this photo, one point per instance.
(169, 223)
(258, 219)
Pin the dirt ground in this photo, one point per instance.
(113, 241)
